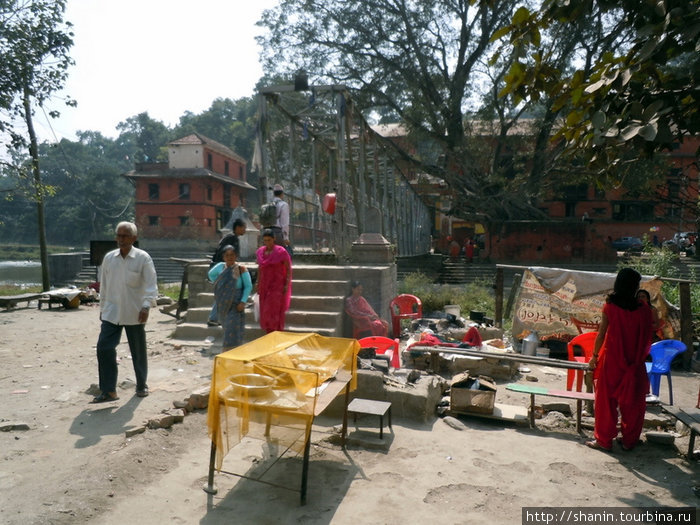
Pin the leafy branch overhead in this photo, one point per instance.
(642, 93)
(438, 67)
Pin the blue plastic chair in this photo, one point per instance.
(662, 354)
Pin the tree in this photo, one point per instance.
(642, 95)
(230, 122)
(434, 66)
(34, 45)
(145, 137)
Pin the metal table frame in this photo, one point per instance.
(334, 387)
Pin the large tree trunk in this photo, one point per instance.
(38, 189)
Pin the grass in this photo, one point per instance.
(16, 289)
(31, 252)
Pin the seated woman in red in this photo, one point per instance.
(365, 320)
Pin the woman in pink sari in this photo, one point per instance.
(365, 320)
(274, 283)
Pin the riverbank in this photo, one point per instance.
(31, 252)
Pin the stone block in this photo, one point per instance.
(199, 399)
(178, 414)
(559, 406)
(161, 421)
(134, 431)
(8, 426)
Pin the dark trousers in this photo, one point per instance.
(110, 335)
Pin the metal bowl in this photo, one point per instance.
(253, 385)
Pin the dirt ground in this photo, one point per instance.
(74, 464)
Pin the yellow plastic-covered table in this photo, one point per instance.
(272, 388)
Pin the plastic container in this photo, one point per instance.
(542, 351)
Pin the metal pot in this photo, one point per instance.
(530, 344)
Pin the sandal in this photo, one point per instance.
(104, 397)
(594, 444)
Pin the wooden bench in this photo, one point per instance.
(10, 301)
(689, 417)
(579, 397)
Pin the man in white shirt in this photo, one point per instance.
(281, 228)
(128, 289)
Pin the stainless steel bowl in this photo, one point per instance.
(253, 385)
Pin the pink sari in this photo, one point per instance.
(272, 276)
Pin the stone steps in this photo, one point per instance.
(316, 305)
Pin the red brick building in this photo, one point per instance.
(582, 217)
(192, 195)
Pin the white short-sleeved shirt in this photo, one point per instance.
(128, 284)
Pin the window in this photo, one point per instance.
(184, 220)
(225, 167)
(240, 172)
(227, 197)
(184, 191)
(208, 193)
(578, 192)
(153, 220)
(210, 161)
(570, 209)
(153, 192)
(633, 211)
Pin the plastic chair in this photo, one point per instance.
(404, 306)
(383, 345)
(585, 326)
(662, 354)
(586, 342)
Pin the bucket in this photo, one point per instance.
(453, 309)
(542, 351)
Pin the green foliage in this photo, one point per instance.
(477, 296)
(640, 90)
(34, 60)
(663, 263)
(171, 290)
(230, 122)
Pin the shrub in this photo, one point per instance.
(477, 296)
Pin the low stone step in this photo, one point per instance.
(327, 320)
(195, 331)
(315, 288)
(317, 303)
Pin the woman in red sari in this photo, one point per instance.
(620, 376)
(365, 320)
(274, 283)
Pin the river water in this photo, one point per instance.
(24, 273)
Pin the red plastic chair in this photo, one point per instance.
(404, 306)
(383, 345)
(586, 342)
(585, 326)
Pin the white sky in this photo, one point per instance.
(164, 57)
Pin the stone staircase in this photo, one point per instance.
(316, 306)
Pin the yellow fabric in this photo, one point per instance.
(296, 363)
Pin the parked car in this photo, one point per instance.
(628, 244)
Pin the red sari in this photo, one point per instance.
(621, 377)
(365, 320)
(274, 271)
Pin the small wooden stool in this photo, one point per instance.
(373, 408)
